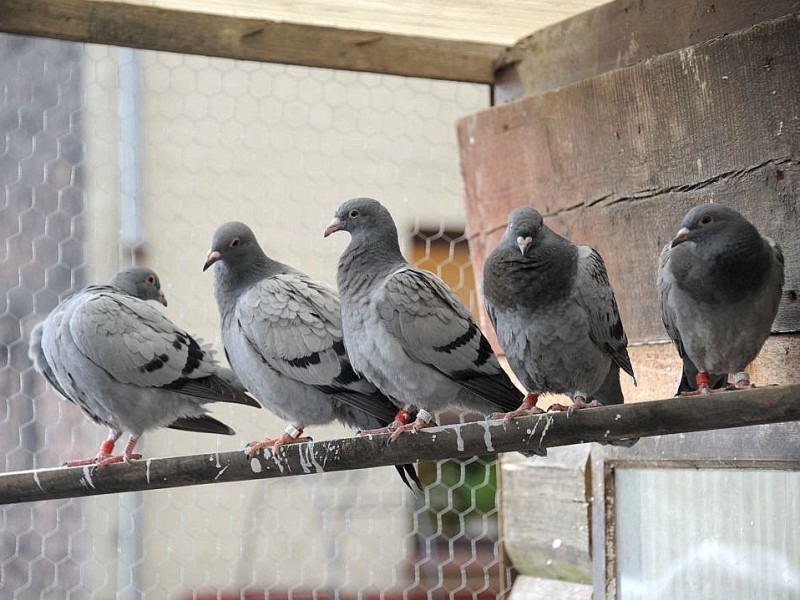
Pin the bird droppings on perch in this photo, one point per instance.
(757, 406)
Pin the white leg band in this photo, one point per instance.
(292, 432)
(741, 376)
(424, 415)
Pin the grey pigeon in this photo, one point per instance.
(555, 315)
(282, 334)
(127, 366)
(405, 330)
(720, 283)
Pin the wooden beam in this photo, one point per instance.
(619, 34)
(155, 28)
(500, 22)
(676, 415)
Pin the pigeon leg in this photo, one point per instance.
(578, 403)
(703, 380)
(742, 381)
(106, 449)
(400, 419)
(528, 407)
(292, 435)
(424, 419)
(126, 456)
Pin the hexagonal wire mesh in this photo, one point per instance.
(114, 157)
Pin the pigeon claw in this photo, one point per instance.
(83, 462)
(527, 408)
(400, 419)
(380, 430)
(703, 381)
(522, 411)
(578, 403)
(274, 443)
(110, 460)
(415, 426)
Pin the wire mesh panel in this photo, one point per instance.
(113, 157)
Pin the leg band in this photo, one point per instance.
(424, 415)
(292, 432)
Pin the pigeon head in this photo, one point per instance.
(363, 217)
(524, 224)
(232, 243)
(139, 282)
(707, 221)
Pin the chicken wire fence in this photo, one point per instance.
(114, 157)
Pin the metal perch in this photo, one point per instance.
(661, 417)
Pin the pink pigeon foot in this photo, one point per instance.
(528, 407)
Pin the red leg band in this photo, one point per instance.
(401, 417)
(530, 400)
(703, 378)
(107, 447)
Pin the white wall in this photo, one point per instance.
(278, 147)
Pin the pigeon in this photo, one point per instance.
(720, 282)
(405, 330)
(282, 334)
(128, 367)
(555, 316)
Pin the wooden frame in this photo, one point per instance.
(612, 467)
(194, 32)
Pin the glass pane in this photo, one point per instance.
(710, 533)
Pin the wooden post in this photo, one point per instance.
(616, 160)
(624, 118)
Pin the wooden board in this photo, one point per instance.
(526, 588)
(165, 27)
(545, 506)
(615, 161)
(621, 33)
(491, 21)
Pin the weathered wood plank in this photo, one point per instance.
(526, 588)
(261, 39)
(630, 234)
(658, 368)
(546, 505)
(621, 33)
(492, 21)
(617, 160)
(739, 409)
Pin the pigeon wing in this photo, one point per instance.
(293, 323)
(434, 328)
(593, 293)
(136, 344)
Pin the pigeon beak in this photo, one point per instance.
(212, 257)
(680, 237)
(333, 226)
(162, 298)
(523, 243)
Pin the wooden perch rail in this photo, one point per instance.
(676, 415)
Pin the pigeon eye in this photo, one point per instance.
(353, 213)
(706, 220)
(235, 242)
(151, 280)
